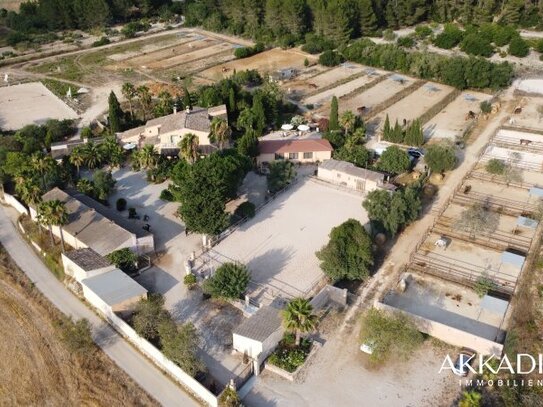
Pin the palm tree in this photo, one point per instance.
(347, 121)
(220, 132)
(28, 190)
(147, 156)
(189, 147)
(298, 317)
(112, 151)
(145, 99)
(58, 216)
(77, 158)
(93, 155)
(42, 164)
(45, 218)
(129, 93)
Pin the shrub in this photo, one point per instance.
(390, 335)
(315, 44)
(495, 166)
(485, 107)
(539, 45)
(484, 285)
(190, 280)
(246, 210)
(125, 259)
(423, 31)
(475, 44)
(330, 58)
(229, 281)
(166, 195)
(76, 335)
(389, 35)
(518, 47)
(281, 174)
(245, 52)
(101, 41)
(86, 133)
(406, 42)
(449, 38)
(288, 356)
(121, 204)
(230, 398)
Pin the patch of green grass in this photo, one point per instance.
(63, 68)
(60, 89)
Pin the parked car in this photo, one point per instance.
(465, 358)
(415, 152)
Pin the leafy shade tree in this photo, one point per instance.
(330, 58)
(440, 157)
(478, 220)
(116, 114)
(496, 166)
(103, 184)
(220, 132)
(281, 174)
(204, 187)
(298, 318)
(229, 282)
(333, 123)
(125, 259)
(148, 315)
(189, 147)
(348, 254)
(179, 343)
(394, 160)
(396, 212)
(355, 154)
(391, 336)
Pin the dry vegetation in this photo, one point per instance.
(38, 368)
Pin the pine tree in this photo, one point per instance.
(334, 119)
(387, 130)
(259, 114)
(368, 19)
(115, 114)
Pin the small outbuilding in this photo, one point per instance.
(113, 291)
(258, 336)
(85, 263)
(350, 176)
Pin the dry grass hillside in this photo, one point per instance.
(36, 366)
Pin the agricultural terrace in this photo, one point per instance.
(343, 89)
(265, 62)
(166, 56)
(376, 96)
(454, 120)
(416, 104)
(30, 103)
(279, 243)
(314, 83)
(519, 159)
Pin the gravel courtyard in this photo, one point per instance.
(279, 244)
(30, 103)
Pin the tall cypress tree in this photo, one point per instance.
(334, 119)
(387, 130)
(116, 114)
(259, 114)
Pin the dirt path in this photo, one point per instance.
(37, 368)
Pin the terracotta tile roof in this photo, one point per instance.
(293, 146)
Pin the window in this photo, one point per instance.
(292, 156)
(279, 157)
(308, 155)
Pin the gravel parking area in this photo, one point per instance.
(30, 103)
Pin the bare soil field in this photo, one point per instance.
(152, 52)
(325, 97)
(375, 95)
(37, 368)
(451, 122)
(500, 191)
(530, 117)
(10, 5)
(334, 75)
(30, 103)
(416, 104)
(267, 61)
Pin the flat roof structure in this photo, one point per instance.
(351, 169)
(114, 287)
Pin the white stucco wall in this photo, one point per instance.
(78, 273)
